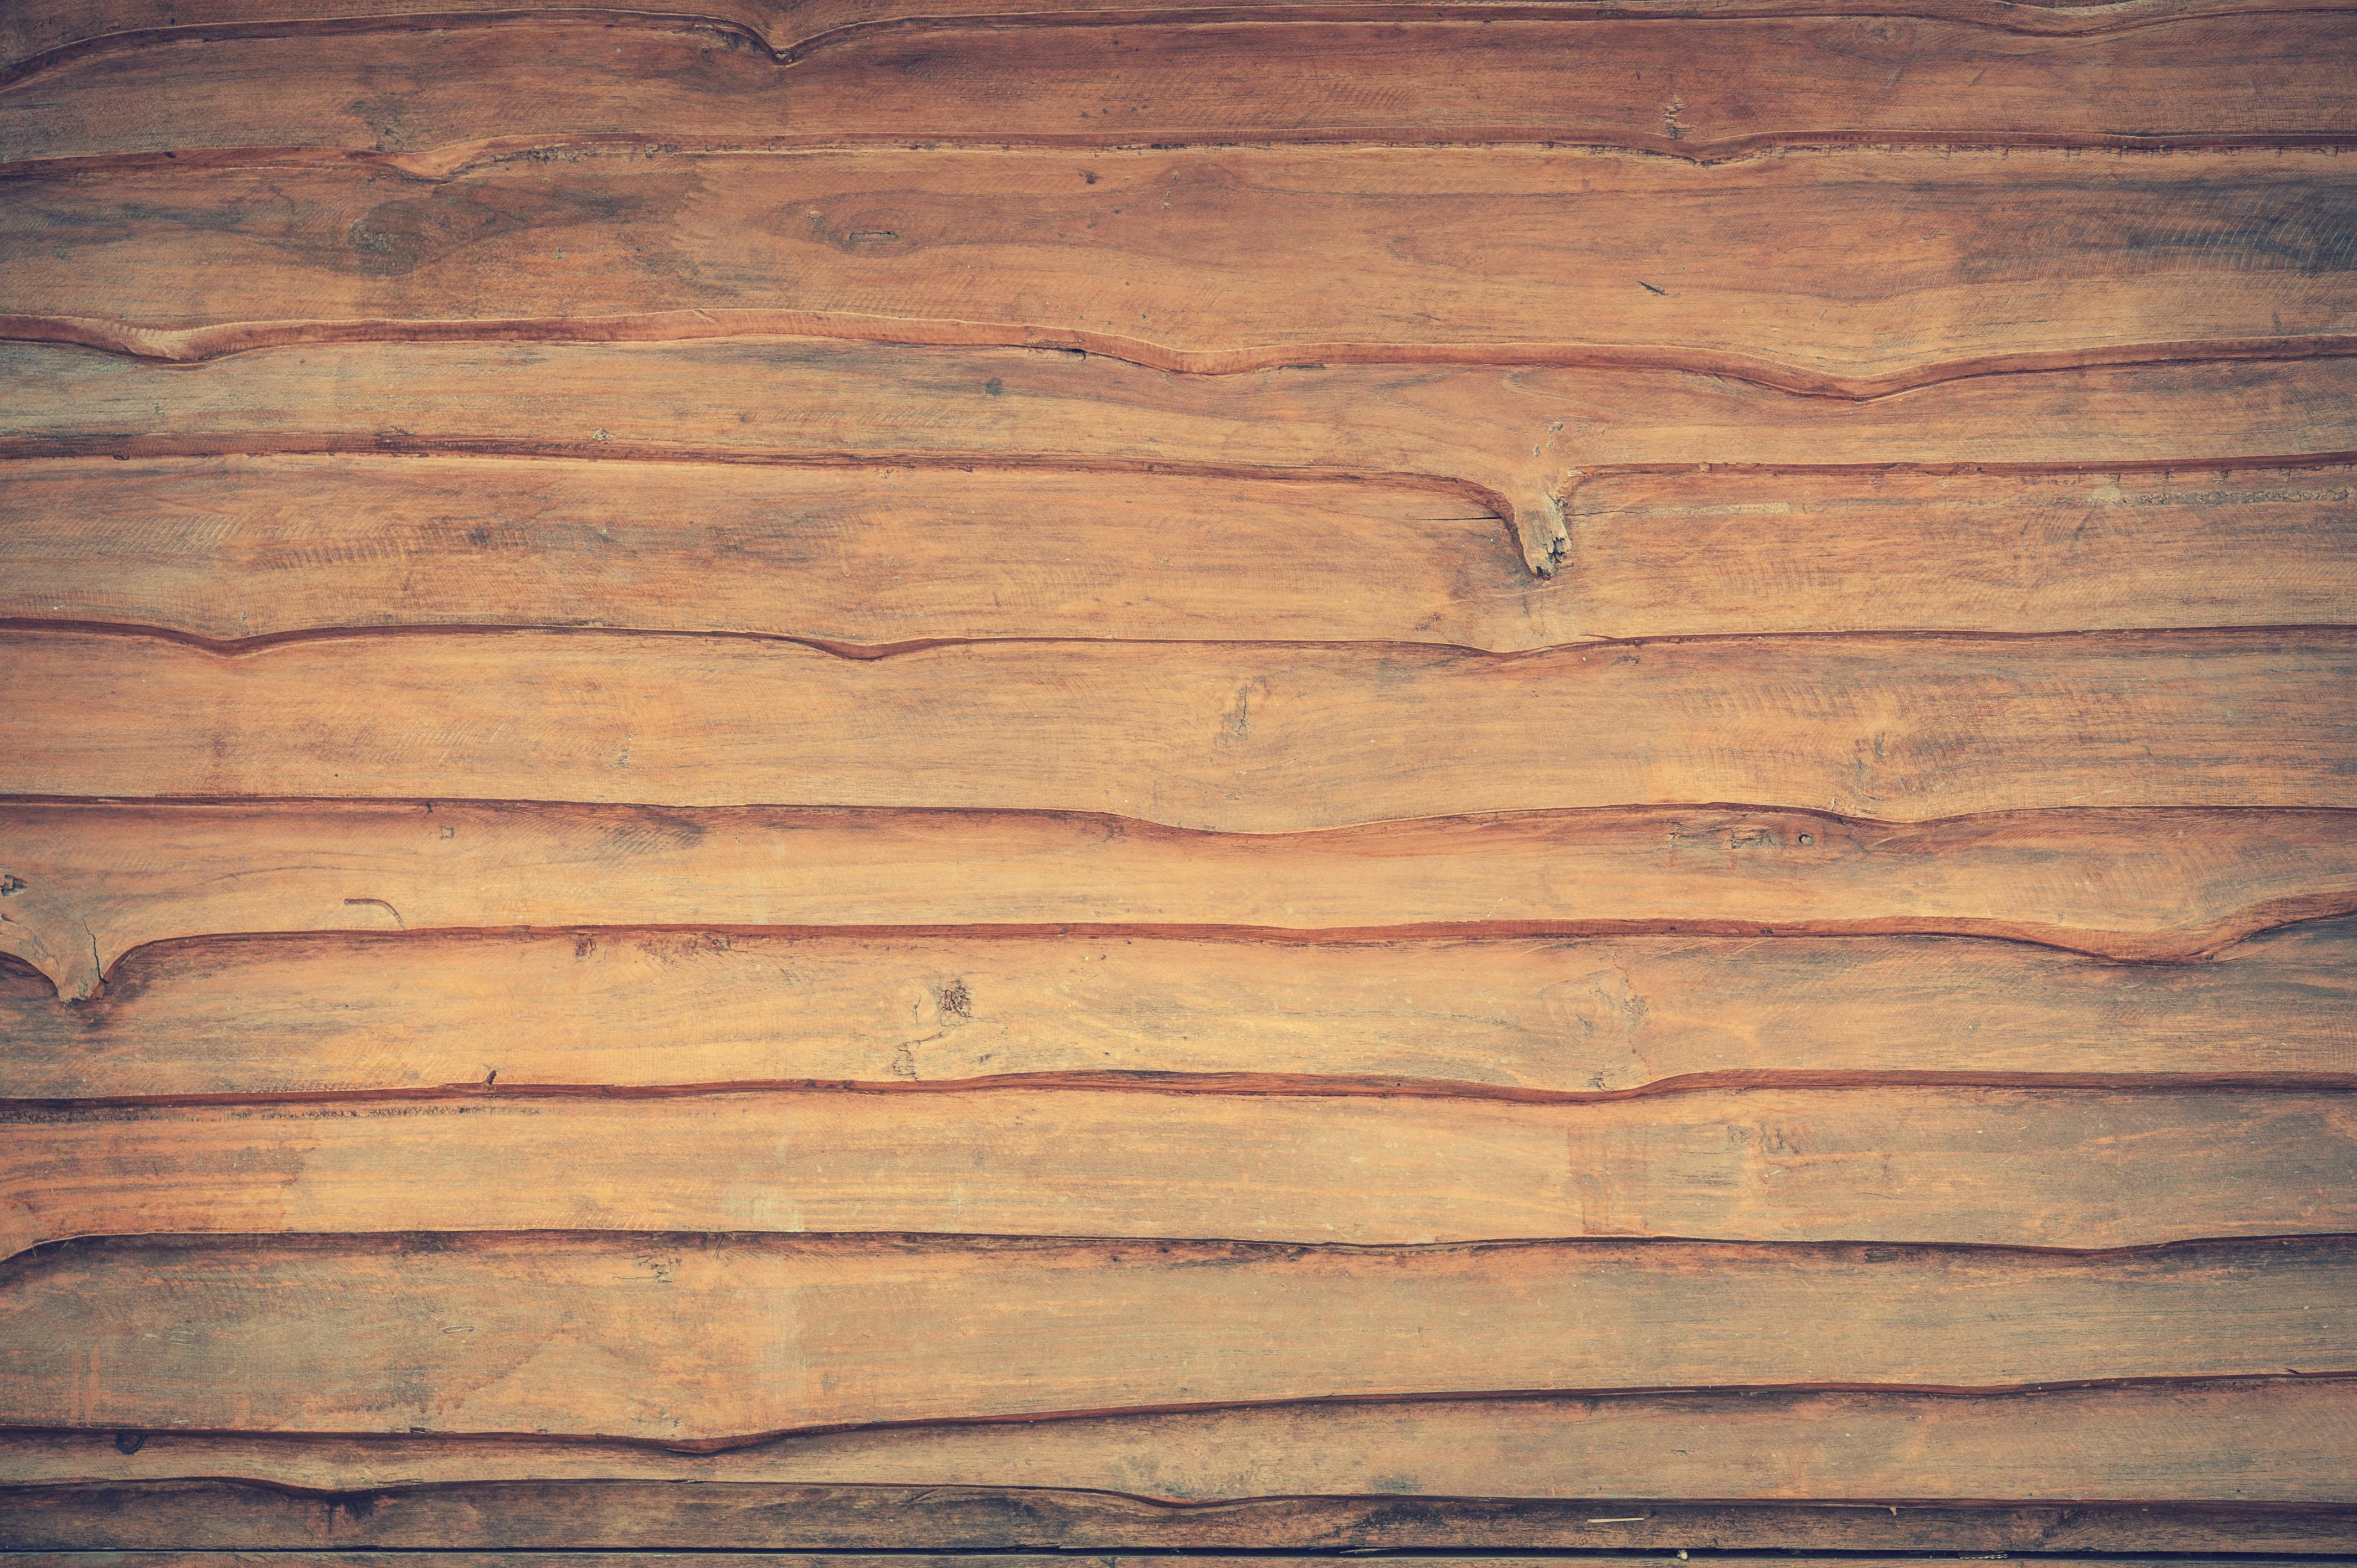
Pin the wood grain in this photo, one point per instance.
(1699, 88)
(708, 1338)
(887, 1560)
(32, 39)
(1513, 442)
(238, 548)
(2280, 1441)
(1260, 738)
(1235, 260)
(1513, 1018)
(211, 1515)
(94, 880)
(2086, 1168)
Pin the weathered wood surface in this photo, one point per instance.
(2282, 1440)
(1235, 260)
(214, 1516)
(891, 1560)
(1505, 1016)
(236, 548)
(34, 37)
(1513, 442)
(1697, 87)
(92, 881)
(712, 1338)
(1260, 738)
(1653, 807)
(2084, 1169)
(76, 1557)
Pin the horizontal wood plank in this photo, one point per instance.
(1516, 1017)
(1697, 87)
(235, 548)
(698, 1339)
(88, 882)
(1233, 259)
(34, 40)
(1510, 442)
(900, 1519)
(2084, 1169)
(2280, 1441)
(891, 1560)
(1256, 738)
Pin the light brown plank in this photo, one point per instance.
(233, 548)
(2082, 1168)
(2279, 1441)
(1257, 738)
(1694, 86)
(1506, 1016)
(1227, 260)
(92, 881)
(683, 1339)
(85, 1558)
(1731, 550)
(1513, 442)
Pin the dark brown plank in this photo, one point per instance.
(1228, 261)
(1514, 1017)
(211, 1515)
(1698, 87)
(688, 1339)
(902, 1518)
(32, 39)
(85, 1558)
(234, 548)
(94, 881)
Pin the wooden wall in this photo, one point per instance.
(1260, 779)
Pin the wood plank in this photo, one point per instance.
(32, 39)
(1702, 88)
(2077, 1168)
(236, 548)
(1262, 738)
(1514, 1017)
(76, 1557)
(1513, 442)
(1228, 261)
(2277, 1441)
(86, 1558)
(688, 1339)
(209, 1516)
(1831, 548)
(92, 881)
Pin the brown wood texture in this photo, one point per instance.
(433, 93)
(1974, 1167)
(717, 1560)
(1514, 1018)
(94, 880)
(215, 1516)
(2278, 1440)
(233, 549)
(35, 38)
(1513, 443)
(1261, 739)
(1235, 260)
(711, 1339)
(1242, 778)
